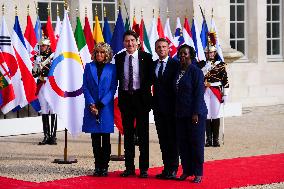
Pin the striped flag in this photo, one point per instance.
(48, 32)
(178, 39)
(187, 35)
(30, 38)
(38, 30)
(64, 90)
(97, 33)
(169, 37)
(57, 28)
(160, 28)
(135, 26)
(81, 43)
(144, 40)
(88, 35)
(153, 37)
(25, 65)
(213, 29)
(6, 87)
(197, 42)
(14, 71)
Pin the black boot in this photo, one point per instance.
(208, 133)
(46, 132)
(215, 129)
(53, 129)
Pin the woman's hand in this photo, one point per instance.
(195, 119)
(94, 109)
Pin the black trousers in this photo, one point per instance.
(101, 149)
(191, 138)
(166, 130)
(136, 114)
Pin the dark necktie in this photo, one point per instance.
(160, 72)
(130, 72)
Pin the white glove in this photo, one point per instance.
(225, 99)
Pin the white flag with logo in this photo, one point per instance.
(64, 89)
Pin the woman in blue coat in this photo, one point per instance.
(99, 84)
(191, 114)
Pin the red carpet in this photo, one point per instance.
(237, 172)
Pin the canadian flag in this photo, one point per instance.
(30, 38)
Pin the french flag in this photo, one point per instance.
(25, 65)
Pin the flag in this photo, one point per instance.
(30, 38)
(203, 34)
(153, 37)
(81, 43)
(88, 35)
(25, 65)
(64, 90)
(178, 39)
(6, 88)
(106, 31)
(160, 28)
(38, 30)
(117, 46)
(197, 42)
(12, 64)
(144, 40)
(135, 26)
(187, 35)
(117, 37)
(97, 33)
(169, 37)
(127, 24)
(57, 28)
(213, 29)
(48, 31)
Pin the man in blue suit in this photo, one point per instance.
(164, 73)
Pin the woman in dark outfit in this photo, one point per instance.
(99, 84)
(191, 114)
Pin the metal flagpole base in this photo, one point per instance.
(117, 158)
(63, 161)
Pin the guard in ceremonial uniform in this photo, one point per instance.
(216, 93)
(40, 70)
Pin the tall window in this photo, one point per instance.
(238, 25)
(111, 13)
(43, 13)
(274, 30)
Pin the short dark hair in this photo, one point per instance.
(191, 51)
(161, 40)
(130, 32)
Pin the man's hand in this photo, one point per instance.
(195, 119)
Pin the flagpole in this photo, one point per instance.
(65, 159)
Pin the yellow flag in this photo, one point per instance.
(97, 33)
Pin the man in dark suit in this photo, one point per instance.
(134, 100)
(164, 73)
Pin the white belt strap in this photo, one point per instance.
(215, 84)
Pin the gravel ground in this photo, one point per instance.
(259, 131)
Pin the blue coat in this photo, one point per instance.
(103, 91)
(190, 93)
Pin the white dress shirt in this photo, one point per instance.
(136, 76)
(165, 60)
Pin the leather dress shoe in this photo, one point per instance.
(104, 172)
(143, 174)
(97, 172)
(127, 173)
(171, 175)
(197, 179)
(183, 177)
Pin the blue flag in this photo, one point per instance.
(203, 34)
(38, 31)
(117, 37)
(197, 42)
(106, 31)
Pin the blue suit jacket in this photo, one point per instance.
(190, 93)
(164, 94)
(103, 91)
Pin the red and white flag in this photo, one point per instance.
(57, 28)
(12, 64)
(169, 37)
(187, 35)
(89, 35)
(48, 31)
(30, 38)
